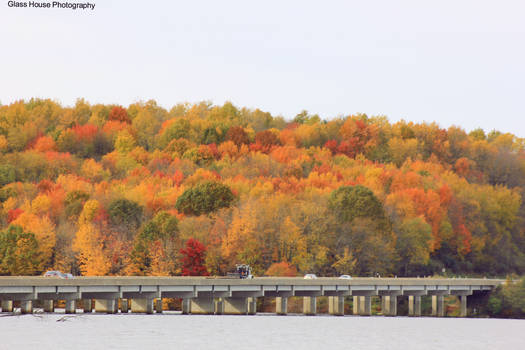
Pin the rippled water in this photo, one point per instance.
(175, 331)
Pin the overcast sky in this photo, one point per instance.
(453, 62)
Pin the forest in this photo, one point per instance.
(97, 189)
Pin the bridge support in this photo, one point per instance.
(252, 305)
(186, 306)
(309, 305)
(281, 305)
(7, 306)
(86, 305)
(414, 305)
(392, 305)
(463, 311)
(142, 305)
(109, 306)
(26, 306)
(355, 305)
(48, 305)
(235, 306)
(219, 306)
(71, 306)
(438, 305)
(365, 308)
(385, 304)
(336, 305)
(158, 306)
(203, 306)
(124, 306)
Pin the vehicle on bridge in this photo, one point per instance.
(58, 274)
(242, 271)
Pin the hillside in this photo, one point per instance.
(108, 190)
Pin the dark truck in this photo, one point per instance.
(242, 271)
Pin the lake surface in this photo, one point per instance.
(263, 331)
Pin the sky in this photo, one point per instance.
(453, 62)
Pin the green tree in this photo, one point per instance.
(413, 242)
(204, 198)
(126, 213)
(18, 252)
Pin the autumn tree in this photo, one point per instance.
(19, 254)
(154, 247)
(193, 257)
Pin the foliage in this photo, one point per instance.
(19, 253)
(119, 190)
(193, 257)
(204, 198)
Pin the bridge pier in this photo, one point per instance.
(48, 305)
(336, 305)
(7, 306)
(463, 300)
(186, 306)
(281, 305)
(365, 307)
(26, 306)
(87, 306)
(252, 305)
(142, 305)
(124, 306)
(309, 305)
(438, 305)
(219, 306)
(109, 306)
(158, 305)
(71, 306)
(355, 305)
(235, 306)
(203, 306)
(414, 305)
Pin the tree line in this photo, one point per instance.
(142, 190)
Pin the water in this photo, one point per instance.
(175, 331)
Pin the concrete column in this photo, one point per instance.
(356, 305)
(336, 305)
(186, 306)
(143, 305)
(463, 312)
(417, 305)
(309, 305)
(7, 306)
(105, 305)
(410, 305)
(219, 306)
(48, 305)
(204, 306)
(86, 304)
(366, 305)
(252, 306)
(26, 306)
(385, 305)
(438, 305)
(281, 305)
(235, 306)
(158, 306)
(392, 307)
(71, 306)
(124, 306)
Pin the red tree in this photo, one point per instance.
(193, 259)
(119, 114)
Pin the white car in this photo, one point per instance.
(345, 277)
(310, 276)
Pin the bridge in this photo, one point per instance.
(219, 295)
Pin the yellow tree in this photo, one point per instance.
(89, 243)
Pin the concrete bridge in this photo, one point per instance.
(218, 295)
